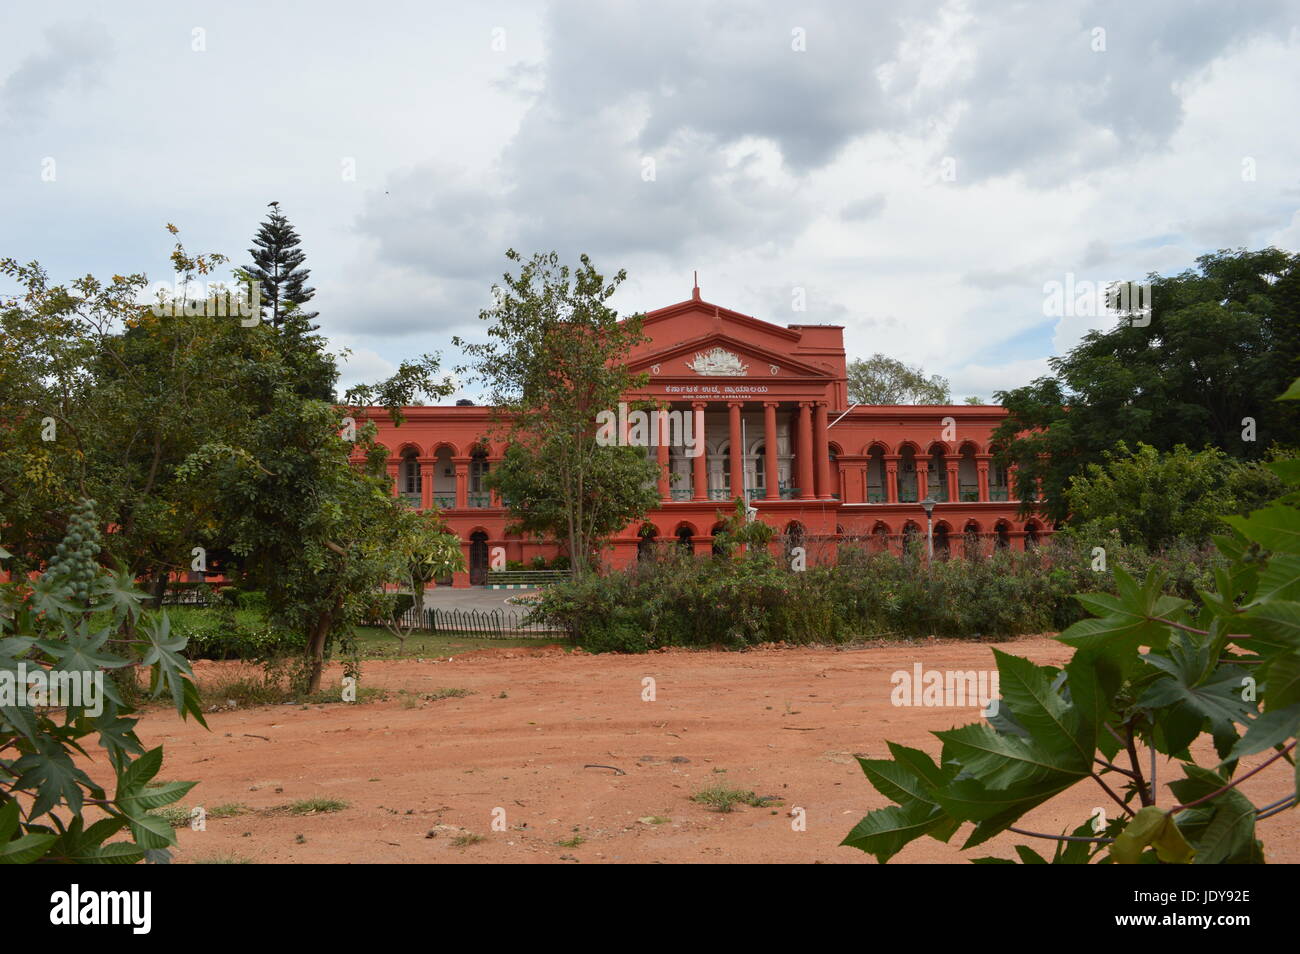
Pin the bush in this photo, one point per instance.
(677, 599)
(219, 634)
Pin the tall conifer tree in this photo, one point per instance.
(277, 265)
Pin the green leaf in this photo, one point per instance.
(1274, 727)
(25, 850)
(1276, 527)
(886, 831)
(1151, 827)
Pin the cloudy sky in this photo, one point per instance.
(915, 171)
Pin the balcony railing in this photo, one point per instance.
(876, 496)
(969, 493)
(907, 495)
(480, 499)
(939, 492)
(789, 493)
(682, 494)
(444, 501)
(998, 493)
(412, 499)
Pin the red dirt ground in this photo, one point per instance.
(419, 774)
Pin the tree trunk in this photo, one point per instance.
(316, 639)
(417, 600)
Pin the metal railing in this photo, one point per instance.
(486, 624)
(530, 577)
(480, 499)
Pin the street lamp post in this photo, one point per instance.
(928, 503)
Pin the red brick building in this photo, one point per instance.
(814, 467)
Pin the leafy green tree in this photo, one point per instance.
(307, 504)
(1202, 372)
(1204, 671)
(58, 631)
(885, 381)
(1151, 498)
(114, 398)
(430, 549)
(555, 358)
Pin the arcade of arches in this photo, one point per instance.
(778, 429)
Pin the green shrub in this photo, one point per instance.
(677, 599)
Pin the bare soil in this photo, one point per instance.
(561, 748)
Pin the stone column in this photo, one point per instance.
(737, 451)
(954, 477)
(661, 452)
(427, 465)
(772, 472)
(395, 475)
(462, 486)
(982, 470)
(922, 478)
(821, 451)
(891, 477)
(701, 462)
(804, 455)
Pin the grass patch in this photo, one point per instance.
(447, 694)
(721, 799)
(469, 838)
(573, 842)
(178, 816)
(313, 806)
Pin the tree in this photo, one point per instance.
(617, 488)
(58, 628)
(885, 381)
(1151, 498)
(1147, 670)
(278, 268)
(555, 359)
(309, 508)
(973, 400)
(430, 549)
(1200, 371)
(107, 398)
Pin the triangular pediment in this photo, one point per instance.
(719, 355)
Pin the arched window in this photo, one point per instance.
(684, 534)
(1002, 535)
(410, 476)
(478, 470)
(1031, 535)
(941, 546)
(647, 538)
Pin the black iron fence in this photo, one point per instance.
(491, 624)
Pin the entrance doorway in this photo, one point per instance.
(478, 558)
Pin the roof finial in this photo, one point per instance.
(695, 292)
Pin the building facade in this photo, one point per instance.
(772, 404)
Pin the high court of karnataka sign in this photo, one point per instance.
(767, 415)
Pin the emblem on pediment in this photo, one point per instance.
(718, 361)
(774, 369)
(654, 369)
